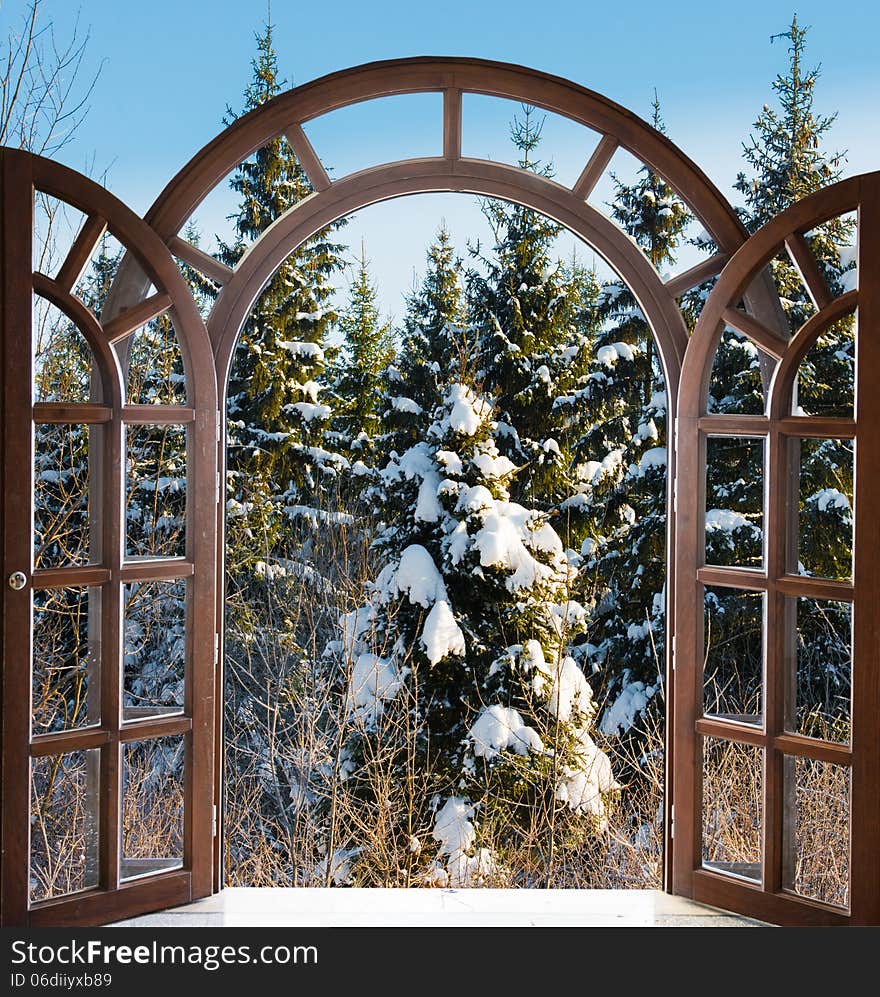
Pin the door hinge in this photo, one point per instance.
(671, 821)
(218, 488)
(673, 652)
(218, 426)
(214, 821)
(216, 649)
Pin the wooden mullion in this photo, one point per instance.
(761, 335)
(201, 261)
(144, 730)
(752, 579)
(808, 747)
(60, 413)
(68, 740)
(814, 427)
(596, 166)
(735, 425)
(156, 569)
(452, 124)
(130, 319)
(730, 730)
(703, 271)
(74, 577)
(809, 587)
(307, 157)
(157, 415)
(80, 253)
(807, 266)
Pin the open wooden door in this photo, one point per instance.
(776, 784)
(109, 497)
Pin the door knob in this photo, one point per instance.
(17, 581)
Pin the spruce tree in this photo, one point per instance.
(468, 723)
(621, 464)
(533, 316)
(276, 418)
(367, 350)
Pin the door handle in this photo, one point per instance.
(17, 581)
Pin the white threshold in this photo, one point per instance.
(316, 907)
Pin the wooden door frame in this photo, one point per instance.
(22, 175)
(769, 900)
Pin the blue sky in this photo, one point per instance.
(170, 68)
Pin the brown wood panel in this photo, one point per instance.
(866, 608)
(734, 425)
(812, 427)
(149, 569)
(726, 892)
(96, 907)
(55, 578)
(745, 578)
(807, 747)
(731, 731)
(452, 124)
(16, 228)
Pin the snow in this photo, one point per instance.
(570, 692)
(309, 410)
(373, 680)
(416, 575)
(310, 351)
(428, 509)
(491, 466)
(441, 635)
(501, 542)
(453, 828)
(450, 460)
(498, 728)
(401, 404)
(467, 410)
(619, 717)
(830, 498)
(655, 457)
(583, 788)
(727, 520)
(475, 498)
(609, 355)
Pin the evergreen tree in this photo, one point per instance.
(534, 321)
(621, 464)
(276, 456)
(367, 350)
(458, 685)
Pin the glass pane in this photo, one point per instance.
(61, 495)
(155, 649)
(62, 357)
(152, 806)
(155, 372)
(732, 808)
(825, 519)
(67, 659)
(156, 507)
(735, 382)
(819, 668)
(825, 384)
(817, 830)
(64, 823)
(733, 654)
(734, 501)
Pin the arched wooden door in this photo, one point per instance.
(776, 789)
(109, 454)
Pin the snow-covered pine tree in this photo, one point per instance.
(621, 464)
(787, 161)
(468, 722)
(533, 315)
(433, 340)
(276, 419)
(367, 350)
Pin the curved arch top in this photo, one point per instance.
(428, 74)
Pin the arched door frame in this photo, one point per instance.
(617, 127)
